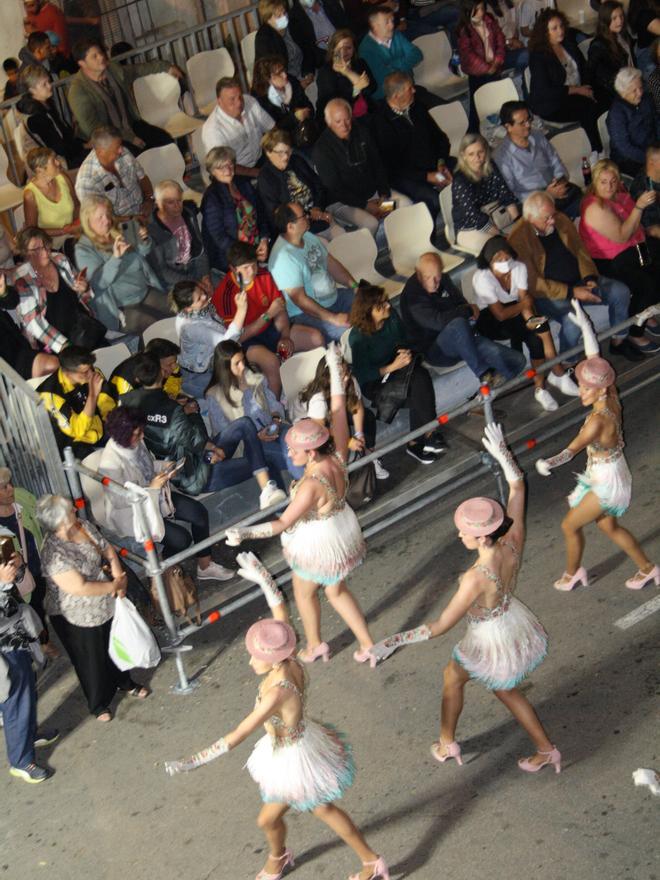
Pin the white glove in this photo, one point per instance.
(545, 465)
(253, 570)
(236, 534)
(581, 320)
(542, 467)
(650, 778)
(495, 443)
(383, 649)
(334, 361)
(650, 312)
(214, 751)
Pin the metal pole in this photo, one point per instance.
(75, 486)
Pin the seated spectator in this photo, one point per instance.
(558, 90)
(83, 19)
(481, 49)
(653, 82)
(506, 14)
(170, 434)
(287, 177)
(610, 226)
(235, 391)
(100, 94)
(529, 162)
(274, 37)
(501, 290)
(10, 67)
(166, 353)
(29, 362)
(380, 349)
(119, 273)
(283, 99)
(351, 170)
(649, 179)
(645, 22)
(437, 322)
(230, 210)
(308, 275)
(561, 270)
(632, 122)
(480, 196)
(238, 123)
(178, 252)
(528, 12)
(385, 49)
(313, 23)
(126, 458)
(42, 15)
(267, 332)
(37, 52)
(112, 172)
(80, 601)
(78, 400)
(55, 302)
(49, 199)
(344, 75)
(414, 149)
(43, 120)
(609, 51)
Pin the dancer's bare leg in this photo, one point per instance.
(587, 511)
(454, 680)
(627, 542)
(524, 713)
(271, 822)
(344, 827)
(307, 602)
(346, 606)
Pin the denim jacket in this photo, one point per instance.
(199, 333)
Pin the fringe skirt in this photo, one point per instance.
(610, 481)
(327, 550)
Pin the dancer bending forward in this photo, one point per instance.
(504, 641)
(603, 491)
(299, 763)
(321, 537)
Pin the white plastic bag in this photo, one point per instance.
(132, 644)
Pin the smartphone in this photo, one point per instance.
(82, 275)
(7, 549)
(388, 205)
(129, 230)
(176, 467)
(440, 177)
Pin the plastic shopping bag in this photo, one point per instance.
(132, 644)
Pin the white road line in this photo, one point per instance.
(638, 614)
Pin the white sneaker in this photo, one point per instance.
(546, 400)
(381, 473)
(214, 572)
(270, 494)
(565, 383)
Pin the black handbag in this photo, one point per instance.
(361, 485)
(391, 394)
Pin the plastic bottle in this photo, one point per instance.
(586, 171)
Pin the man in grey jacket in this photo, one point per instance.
(178, 251)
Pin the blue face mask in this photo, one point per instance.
(282, 22)
(308, 3)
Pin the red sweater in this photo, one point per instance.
(471, 48)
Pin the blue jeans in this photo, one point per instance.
(277, 457)
(19, 710)
(458, 342)
(517, 58)
(614, 294)
(418, 24)
(331, 332)
(232, 471)
(195, 384)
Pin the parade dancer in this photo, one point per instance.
(321, 537)
(299, 763)
(603, 491)
(504, 641)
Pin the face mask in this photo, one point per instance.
(282, 22)
(503, 267)
(308, 3)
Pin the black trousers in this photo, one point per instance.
(420, 401)
(87, 647)
(643, 281)
(150, 134)
(177, 537)
(37, 602)
(514, 329)
(578, 108)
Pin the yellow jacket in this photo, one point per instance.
(65, 403)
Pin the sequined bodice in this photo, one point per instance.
(284, 734)
(336, 502)
(599, 454)
(478, 613)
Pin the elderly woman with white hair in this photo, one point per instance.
(80, 600)
(177, 252)
(632, 122)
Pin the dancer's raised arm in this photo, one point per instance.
(495, 443)
(338, 419)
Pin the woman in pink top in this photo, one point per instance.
(611, 230)
(481, 47)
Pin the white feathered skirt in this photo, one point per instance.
(502, 650)
(327, 550)
(315, 769)
(610, 481)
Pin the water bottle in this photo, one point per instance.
(586, 171)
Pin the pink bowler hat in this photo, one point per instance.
(270, 640)
(595, 372)
(478, 516)
(307, 434)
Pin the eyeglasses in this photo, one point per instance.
(285, 152)
(38, 249)
(226, 166)
(300, 217)
(527, 121)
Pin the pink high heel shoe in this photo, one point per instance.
(453, 751)
(380, 870)
(639, 580)
(580, 576)
(552, 757)
(287, 861)
(363, 656)
(322, 650)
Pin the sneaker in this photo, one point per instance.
(381, 473)
(627, 350)
(564, 383)
(546, 400)
(417, 451)
(648, 347)
(270, 494)
(214, 572)
(33, 773)
(492, 378)
(436, 443)
(46, 737)
(652, 330)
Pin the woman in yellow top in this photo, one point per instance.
(49, 199)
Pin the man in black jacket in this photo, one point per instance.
(437, 320)
(312, 23)
(413, 147)
(352, 171)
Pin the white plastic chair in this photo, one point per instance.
(408, 231)
(249, 53)
(453, 120)
(447, 216)
(584, 47)
(466, 285)
(157, 97)
(357, 251)
(167, 163)
(488, 99)
(604, 133)
(163, 329)
(36, 382)
(93, 490)
(580, 15)
(204, 70)
(200, 154)
(10, 195)
(572, 146)
(299, 370)
(110, 357)
(433, 71)
(312, 92)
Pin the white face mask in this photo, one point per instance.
(308, 3)
(503, 267)
(282, 22)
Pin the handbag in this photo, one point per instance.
(361, 484)
(132, 644)
(392, 392)
(181, 594)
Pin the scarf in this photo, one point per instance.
(280, 97)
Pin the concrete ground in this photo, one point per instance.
(110, 811)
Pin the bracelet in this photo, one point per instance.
(354, 285)
(359, 435)
(266, 318)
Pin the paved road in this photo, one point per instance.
(110, 812)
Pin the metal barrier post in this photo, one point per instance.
(486, 458)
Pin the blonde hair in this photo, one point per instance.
(462, 165)
(38, 157)
(599, 168)
(89, 204)
(267, 8)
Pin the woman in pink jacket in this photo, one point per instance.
(481, 47)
